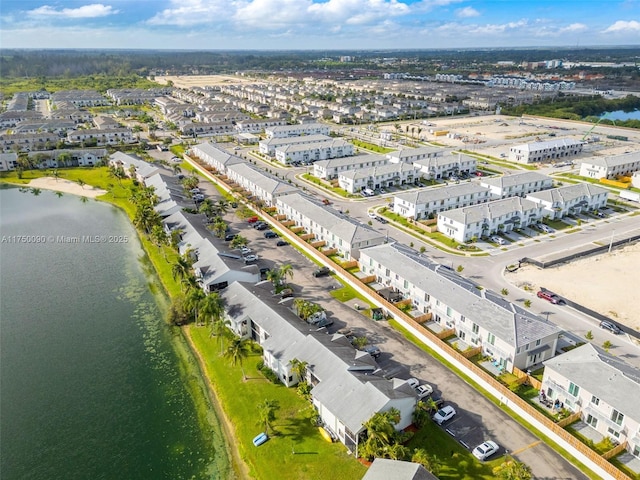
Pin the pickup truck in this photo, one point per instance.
(322, 272)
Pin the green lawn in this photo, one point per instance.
(347, 293)
(313, 457)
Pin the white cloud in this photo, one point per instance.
(86, 11)
(574, 27)
(273, 14)
(186, 13)
(467, 12)
(624, 26)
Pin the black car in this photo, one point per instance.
(282, 243)
(259, 224)
(612, 327)
(322, 272)
(262, 226)
(229, 237)
(270, 234)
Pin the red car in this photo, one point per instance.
(252, 219)
(550, 297)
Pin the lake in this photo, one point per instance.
(92, 384)
(622, 115)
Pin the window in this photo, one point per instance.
(538, 343)
(449, 311)
(617, 417)
(573, 389)
(595, 400)
(613, 433)
(406, 284)
(475, 328)
(491, 338)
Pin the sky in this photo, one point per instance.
(317, 24)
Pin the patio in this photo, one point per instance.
(493, 367)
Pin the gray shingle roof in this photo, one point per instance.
(263, 180)
(387, 469)
(568, 193)
(514, 179)
(489, 210)
(428, 195)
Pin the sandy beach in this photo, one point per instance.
(66, 186)
(605, 283)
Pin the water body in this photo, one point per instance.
(91, 387)
(622, 115)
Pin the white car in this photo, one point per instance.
(245, 251)
(498, 240)
(485, 450)
(545, 228)
(372, 214)
(445, 413)
(250, 258)
(424, 390)
(413, 382)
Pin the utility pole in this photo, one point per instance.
(611, 241)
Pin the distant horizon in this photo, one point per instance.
(317, 25)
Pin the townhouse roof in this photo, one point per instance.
(301, 147)
(602, 375)
(547, 144)
(333, 222)
(351, 160)
(301, 126)
(265, 181)
(568, 193)
(489, 210)
(613, 160)
(219, 155)
(378, 170)
(514, 179)
(143, 168)
(276, 141)
(437, 194)
(413, 152)
(507, 321)
(385, 468)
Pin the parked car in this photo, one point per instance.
(324, 323)
(229, 237)
(373, 350)
(381, 220)
(282, 243)
(262, 226)
(326, 201)
(485, 450)
(549, 296)
(445, 413)
(601, 214)
(545, 228)
(346, 331)
(424, 390)
(322, 272)
(498, 240)
(317, 317)
(245, 251)
(260, 223)
(253, 219)
(372, 214)
(250, 258)
(198, 197)
(286, 293)
(612, 327)
(270, 234)
(413, 382)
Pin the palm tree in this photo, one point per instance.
(207, 207)
(193, 301)
(176, 170)
(430, 462)
(63, 158)
(219, 228)
(397, 451)
(212, 307)
(182, 268)
(299, 369)
(159, 236)
(238, 241)
(36, 191)
(59, 194)
(267, 413)
(80, 182)
(222, 206)
(381, 433)
(55, 174)
(286, 270)
(237, 351)
(511, 469)
(221, 328)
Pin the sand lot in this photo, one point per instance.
(606, 283)
(66, 186)
(189, 81)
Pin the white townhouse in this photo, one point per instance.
(283, 131)
(611, 167)
(166, 190)
(444, 166)
(311, 152)
(511, 335)
(113, 136)
(570, 200)
(411, 155)
(196, 129)
(214, 268)
(69, 157)
(427, 202)
(345, 391)
(27, 142)
(258, 125)
(385, 468)
(217, 158)
(133, 166)
(378, 176)
(547, 151)
(602, 387)
(260, 184)
(331, 168)
(268, 146)
(344, 234)
(8, 161)
(477, 221)
(517, 184)
(60, 127)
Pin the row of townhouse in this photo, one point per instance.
(345, 391)
(312, 152)
(113, 136)
(428, 202)
(411, 155)
(27, 142)
(79, 98)
(603, 388)
(512, 336)
(445, 166)
(133, 166)
(217, 158)
(258, 125)
(504, 215)
(612, 167)
(379, 176)
(12, 118)
(136, 96)
(516, 184)
(269, 146)
(258, 183)
(283, 131)
(69, 157)
(331, 168)
(338, 231)
(547, 151)
(60, 127)
(207, 129)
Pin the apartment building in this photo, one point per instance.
(517, 184)
(113, 136)
(331, 168)
(411, 155)
(311, 152)
(378, 176)
(269, 146)
(427, 202)
(283, 131)
(445, 166)
(570, 200)
(512, 336)
(611, 167)
(258, 183)
(217, 158)
(27, 142)
(547, 151)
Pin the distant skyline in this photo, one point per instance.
(317, 24)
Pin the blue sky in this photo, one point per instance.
(317, 24)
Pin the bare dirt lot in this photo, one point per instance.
(606, 283)
(190, 81)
